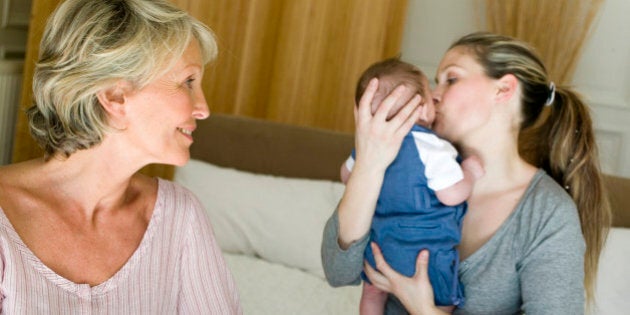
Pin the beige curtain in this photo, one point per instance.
(296, 61)
(293, 61)
(24, 147)
(557, 28)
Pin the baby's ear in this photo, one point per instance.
(113, 99)
(506, 86)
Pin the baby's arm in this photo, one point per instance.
(460, 191)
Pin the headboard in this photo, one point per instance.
(619, 193)
(266, 147)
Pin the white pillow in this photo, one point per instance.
(613, 277)
(277, 218)
(269, 289)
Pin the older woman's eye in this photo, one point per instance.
(189, 82)
(451, 81)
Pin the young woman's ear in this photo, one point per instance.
(112, 100)
(506, 88)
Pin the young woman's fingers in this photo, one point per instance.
(365, 103)
(422, 282)
(382, 265)
(422, 265)
(378, 280)
(406, 111)
(386, 105)
(415, 293)
(410, 113)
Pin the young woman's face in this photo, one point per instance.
(463, 96)
(163, 114)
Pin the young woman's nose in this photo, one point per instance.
(437, 95)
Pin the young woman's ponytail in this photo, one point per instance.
(572, 161)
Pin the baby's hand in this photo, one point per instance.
(344, 173)
(473, 165)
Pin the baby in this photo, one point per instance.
(422, 200)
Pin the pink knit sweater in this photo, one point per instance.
(176, 269)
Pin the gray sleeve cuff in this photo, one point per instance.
(341, 267)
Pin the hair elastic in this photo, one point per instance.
(552, 94)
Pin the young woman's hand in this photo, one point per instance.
(415, 293)
(377, 138)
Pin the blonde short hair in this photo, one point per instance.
(90, 44)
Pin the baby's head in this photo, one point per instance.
(391, 73)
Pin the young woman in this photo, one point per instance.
(117, 86)
(536, 220)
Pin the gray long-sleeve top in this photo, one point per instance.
(534, 263)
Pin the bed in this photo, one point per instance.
(269, 188)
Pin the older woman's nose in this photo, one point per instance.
(201, 109)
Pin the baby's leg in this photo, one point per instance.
(372, 300)
(448, 309)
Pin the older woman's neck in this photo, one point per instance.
(92, 179)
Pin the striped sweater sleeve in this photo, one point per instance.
(207, 285)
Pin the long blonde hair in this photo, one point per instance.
(558, 137)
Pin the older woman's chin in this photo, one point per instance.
(179, 159)
(182, 160)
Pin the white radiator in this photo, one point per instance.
(10, 89)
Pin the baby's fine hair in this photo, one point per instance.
(391, 73)
(86, 47)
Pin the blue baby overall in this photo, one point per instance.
(409, 218)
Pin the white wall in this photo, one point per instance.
(602, 76)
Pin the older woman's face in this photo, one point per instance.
(162, 115)
(463, 96)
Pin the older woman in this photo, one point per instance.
(537, 219)
(117, 86)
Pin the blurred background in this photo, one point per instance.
(297, 61)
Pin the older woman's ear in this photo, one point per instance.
(113, 99)
(506, 88)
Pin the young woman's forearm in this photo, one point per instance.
(358, 203)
